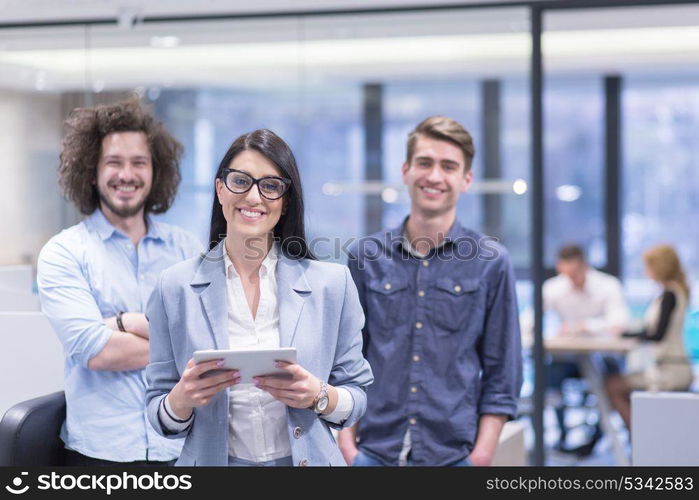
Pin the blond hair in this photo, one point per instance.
(665, 265)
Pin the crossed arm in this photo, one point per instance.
(68, 302)
(127, 350)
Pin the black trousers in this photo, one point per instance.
(75, 459)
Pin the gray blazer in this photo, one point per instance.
(319, 314)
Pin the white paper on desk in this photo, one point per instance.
(640, 359)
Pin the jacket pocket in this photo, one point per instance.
(454, 302)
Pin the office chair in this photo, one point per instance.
(576, 396)
(29, 432)
(564, 378)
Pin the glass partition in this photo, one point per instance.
(620, 105)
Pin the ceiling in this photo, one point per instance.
(464, 43)
(61, 10)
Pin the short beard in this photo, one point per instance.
(123, 212)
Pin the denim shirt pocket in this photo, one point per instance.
(454, 303)
(388, 302)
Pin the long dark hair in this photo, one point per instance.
(289, 231)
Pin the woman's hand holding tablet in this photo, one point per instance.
(298, 390)
(195, 389)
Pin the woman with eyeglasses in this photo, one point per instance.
(258, 286)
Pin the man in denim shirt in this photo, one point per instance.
(118, 165)
(442, 333)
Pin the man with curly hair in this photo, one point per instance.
(118, 166)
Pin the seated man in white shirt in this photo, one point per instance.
(587, 302)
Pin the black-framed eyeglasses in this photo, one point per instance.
(269, 186)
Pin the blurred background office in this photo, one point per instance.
(620, 115)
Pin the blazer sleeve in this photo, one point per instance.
(161, 372)
(350, 370)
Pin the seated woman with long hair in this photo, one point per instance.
(258, 286)
(659, 362)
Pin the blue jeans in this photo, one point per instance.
(278, 462)
(364, 460)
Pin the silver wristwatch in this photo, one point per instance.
(320, 403)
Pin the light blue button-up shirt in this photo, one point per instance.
(86, 273)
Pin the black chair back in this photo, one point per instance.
(29, 432)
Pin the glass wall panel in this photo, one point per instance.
(300, 76)
(406, 105)
(574, 167)
(304, 77)
(516, 168)
(654, 53)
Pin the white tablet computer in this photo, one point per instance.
(249, 362)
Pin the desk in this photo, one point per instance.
(585, 349)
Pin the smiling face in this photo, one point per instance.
(435, 176)
(249, 214)
(124, 174)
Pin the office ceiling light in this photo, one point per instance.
(259, 63)
(519, 187)
(629, 41)
(389, 195)
(568, 193)
(164, 42)
(225, 60)
(331, 189)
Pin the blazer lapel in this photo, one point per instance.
(293, 290)
(212, 278)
